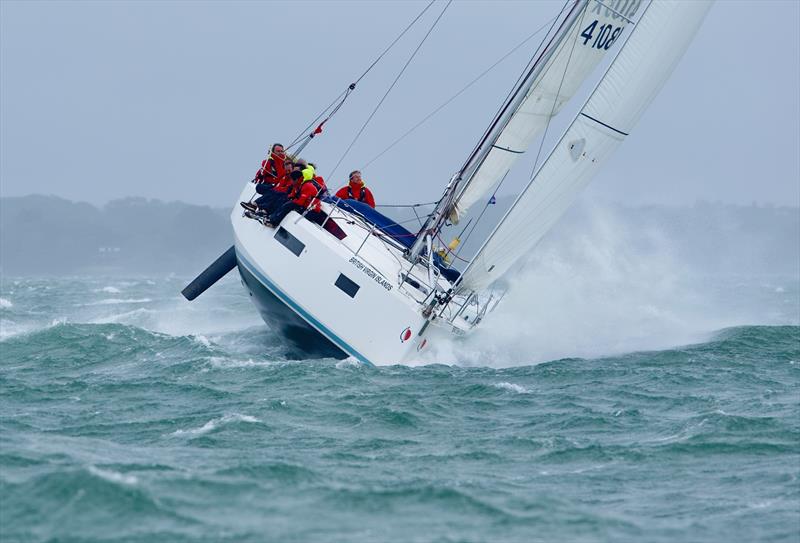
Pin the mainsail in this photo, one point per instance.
(641, 68)
(579, 44)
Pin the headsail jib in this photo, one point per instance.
(641, 68)
(575, 48)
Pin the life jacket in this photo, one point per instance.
(362, 194)
(304, 197)
(321, 182)
(283, 184)
(271, 170)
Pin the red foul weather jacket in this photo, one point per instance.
(271, 171)
(306, 195)
(348, 192)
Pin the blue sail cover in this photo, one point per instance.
(381, 222)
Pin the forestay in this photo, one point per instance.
(574, 51)
(631, 82)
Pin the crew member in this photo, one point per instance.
(356, 190)
(272, 168)
(302, 196)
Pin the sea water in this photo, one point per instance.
(587, 409)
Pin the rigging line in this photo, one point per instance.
(459, 93)
(485, 208)
(450, 196)
(406, 205)
(515, 89)
(303, 133)
(558, 93)
(396, 79)
(421, 13)
(560, 140)
(417, 216)
(455, 255)
(351, 87)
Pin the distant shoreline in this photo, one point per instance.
(49, 235)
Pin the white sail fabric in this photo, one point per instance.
(578, 50)
(632, 81)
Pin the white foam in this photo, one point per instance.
(4, 303)
(513, 387)
(109, 290)
(215, 423)
(225, 363)
(116, 301)
(133, 317)
(9, 329)
(113, 476)
(349, 362)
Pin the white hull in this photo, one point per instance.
(310, 272)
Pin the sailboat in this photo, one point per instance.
(372, 290)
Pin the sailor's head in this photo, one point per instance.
(296, 176)
(355, 178)
(279, 150)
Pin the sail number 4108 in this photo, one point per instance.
(605, 37)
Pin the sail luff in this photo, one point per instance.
(562, 69)
(460, 182)
(630, 83)
(516, 97)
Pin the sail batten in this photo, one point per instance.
(630, 83)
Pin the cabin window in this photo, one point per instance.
(347, 285)
(289, 241)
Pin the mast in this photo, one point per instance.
(434, 222)
(630, 83)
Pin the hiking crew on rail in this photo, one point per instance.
(285, 184)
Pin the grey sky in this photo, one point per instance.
(101, 100)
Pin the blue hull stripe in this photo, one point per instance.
(282, 296)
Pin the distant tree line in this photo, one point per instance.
(46, 235)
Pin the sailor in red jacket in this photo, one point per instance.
(272, 168)
(272, 181)
(355, 190)
(302, 196)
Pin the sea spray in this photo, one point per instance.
(611, 288)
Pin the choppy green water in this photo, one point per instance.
(129, 415)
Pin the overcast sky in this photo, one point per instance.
(180, 100)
